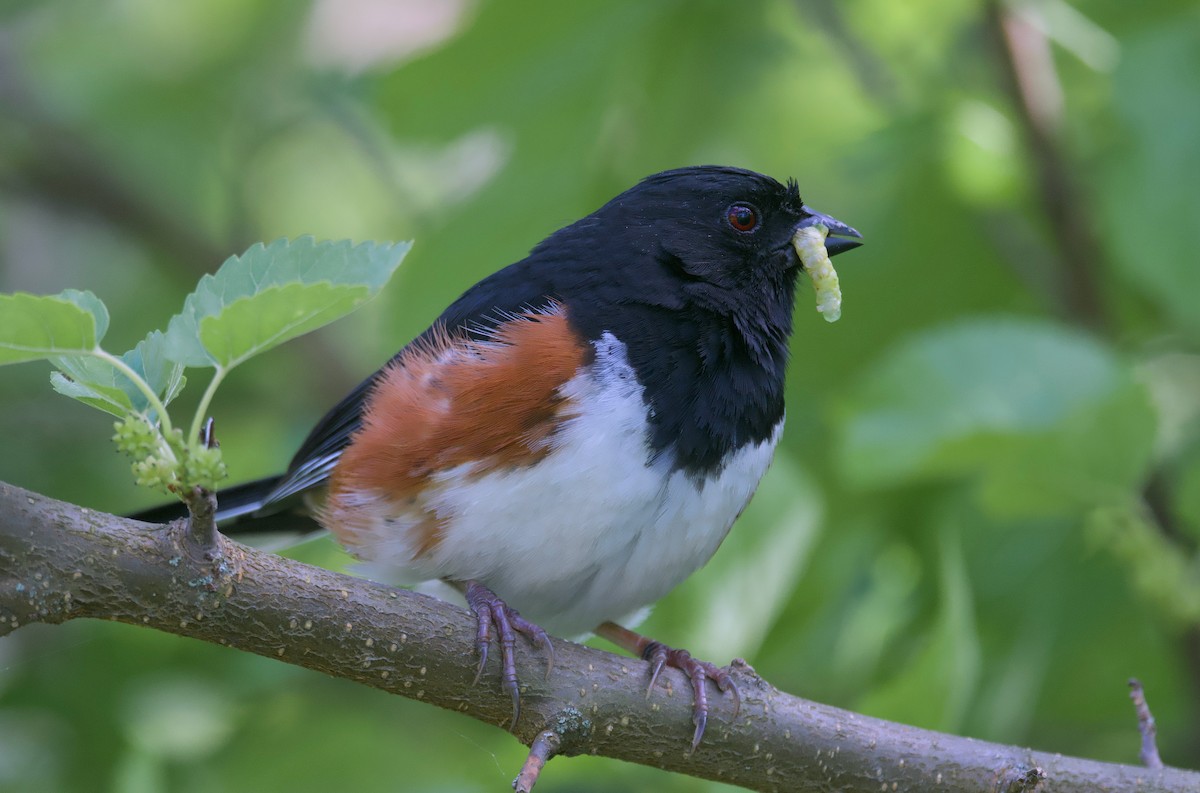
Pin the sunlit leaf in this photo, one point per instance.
(250, 325)
(33, 327)
(274, 293)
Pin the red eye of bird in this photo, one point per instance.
(742, 217)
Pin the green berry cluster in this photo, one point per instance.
(203, 467)
(164, 461)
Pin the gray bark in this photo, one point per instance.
(60, 562)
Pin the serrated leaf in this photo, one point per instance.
(223, 309)
(250, 325)
(34, 327)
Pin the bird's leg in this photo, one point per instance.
(660, 655)
(490, 611)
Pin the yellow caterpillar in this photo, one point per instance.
(809, 243)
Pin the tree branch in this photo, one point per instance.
(1029, 78)
(60, 562)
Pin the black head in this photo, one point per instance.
(712, 239)
(721, 226)
(727, 228)
(709, 237)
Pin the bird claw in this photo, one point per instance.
(492, 612)
(660, 655)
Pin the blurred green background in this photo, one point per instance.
(985, 513)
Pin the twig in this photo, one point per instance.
(1032, 83)
(543, 748)
(1146, 725)
(60, 562)
(202, 521)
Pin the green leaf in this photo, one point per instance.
(963, 380)
(98, 383)
(33, 327)
(250, 325)
(1048, 416)
(93, 305)
(163, 375)
(109, 399)
(274, 293)
(94, 382)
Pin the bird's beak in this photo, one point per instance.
(841, 237)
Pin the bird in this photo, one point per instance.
(577, 433)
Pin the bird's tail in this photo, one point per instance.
(247, 508)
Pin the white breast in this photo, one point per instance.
(595, 530)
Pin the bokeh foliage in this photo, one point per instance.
(985, 513)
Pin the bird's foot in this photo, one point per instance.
(660, 655)
(697, 671)
(492, 612)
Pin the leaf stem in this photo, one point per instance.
(198, 420)
(159, 408)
